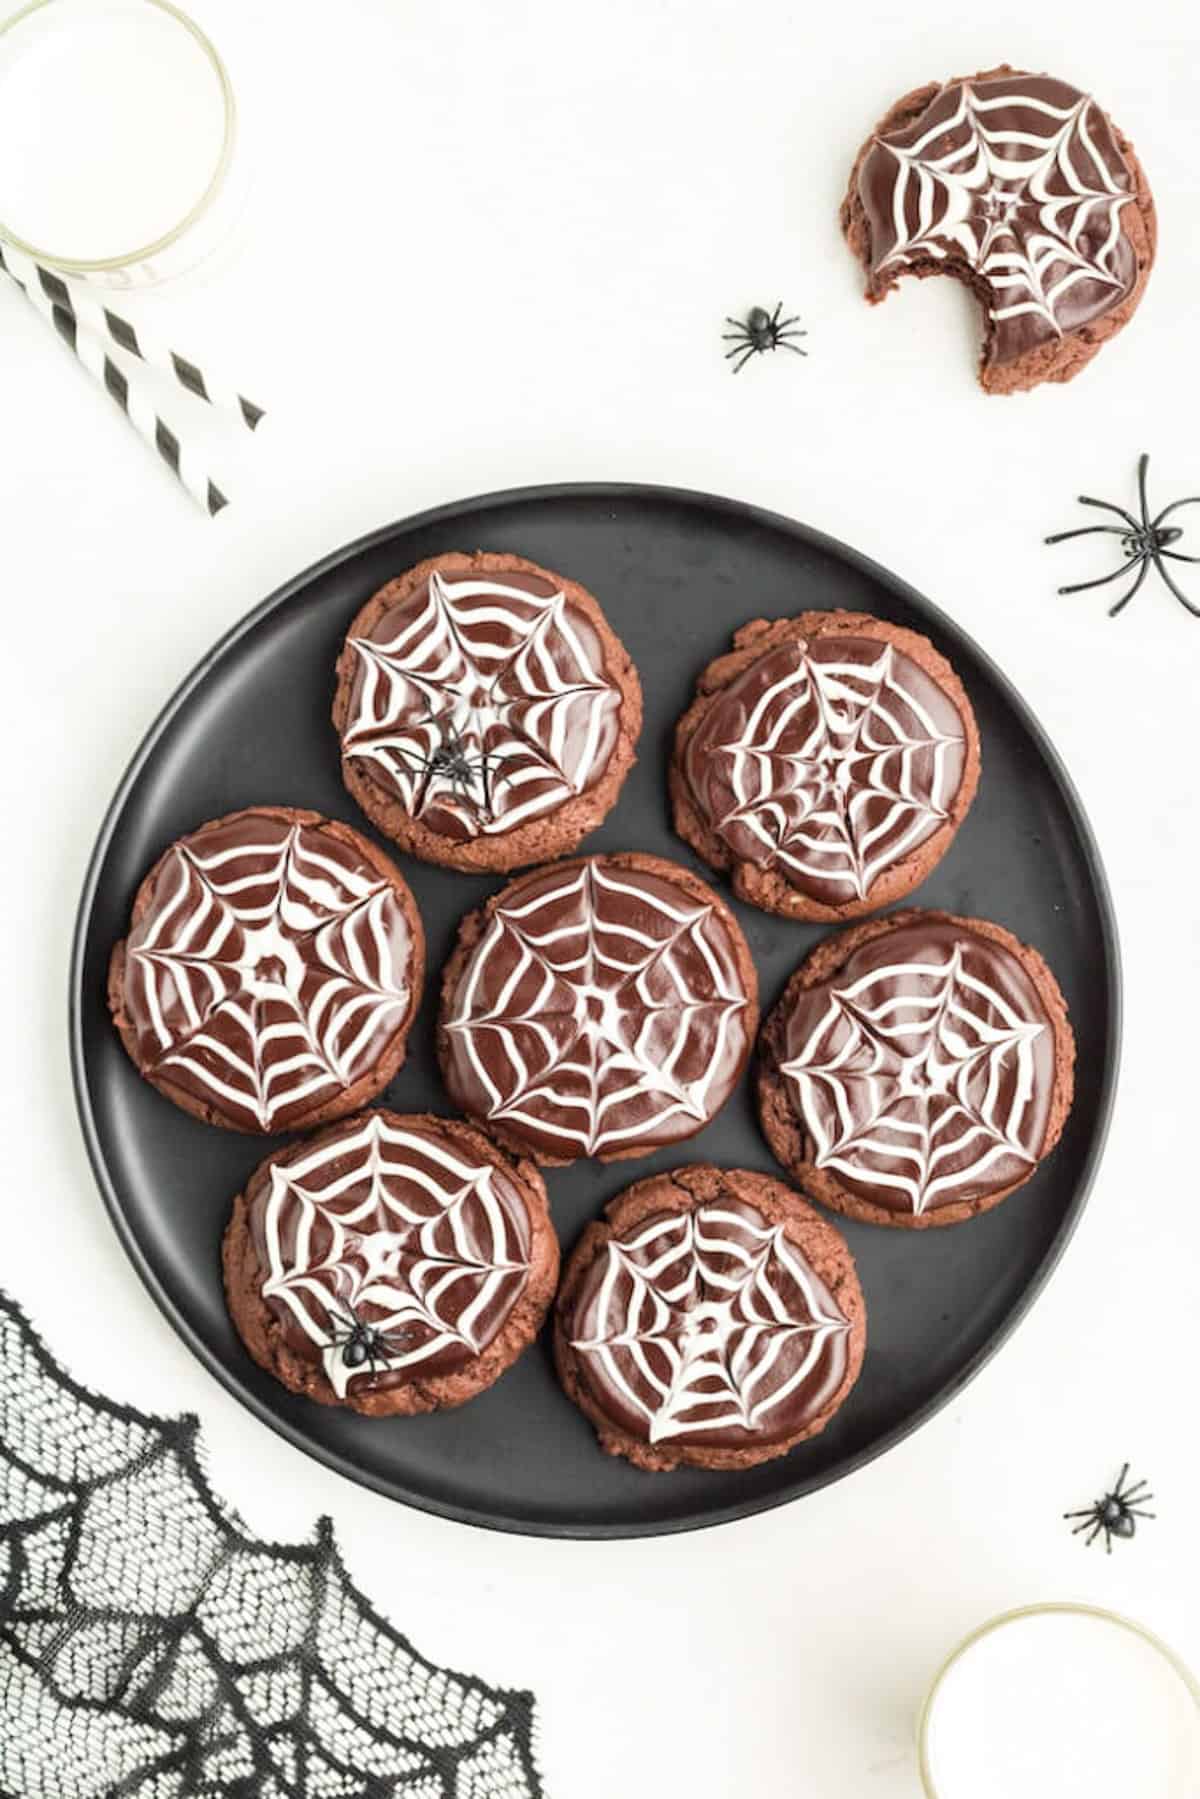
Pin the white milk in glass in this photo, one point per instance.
(111, 126)
(1063, 1705)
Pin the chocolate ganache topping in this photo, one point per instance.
(1016, 180)
(389, 1252)
(709, 1328)
(602, 1010)
(828, 761)
(269, 971)
(922, 1071)
(482, 701)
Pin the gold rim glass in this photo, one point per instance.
(1173, 1661)
(125, 259)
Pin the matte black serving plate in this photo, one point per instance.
(676, 573)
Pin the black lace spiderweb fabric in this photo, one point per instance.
(150, 1647)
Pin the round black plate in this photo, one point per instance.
(676, 573)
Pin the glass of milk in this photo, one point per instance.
(117, 134)
(1061, 1702)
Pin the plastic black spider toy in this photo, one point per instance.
(759, 331)
(1144, 542)
(451, 759)
(1115, 1514)
(452, 762)
(361, 1343)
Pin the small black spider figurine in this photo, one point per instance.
(1144, 542)
(1116, 1514)
(451, 761)
(761, 330)
(361, 1343)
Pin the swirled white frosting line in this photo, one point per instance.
(838, 772)
(504, 674)
(698, 1319)
(966, 198)
(591, 1035)
(285, 961)
(398, 1225)
(918, 1077)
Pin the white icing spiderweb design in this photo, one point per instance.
(152, 1648)
(919, 1079)
(1036, 209)
(603, 1006)
(706, 1323)
(837, 769)
(488, 706)
(393, 1228)
(271, 966)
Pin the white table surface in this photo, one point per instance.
(493, 245)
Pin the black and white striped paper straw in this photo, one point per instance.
(145, 420)
(103, 321)
(90, 330)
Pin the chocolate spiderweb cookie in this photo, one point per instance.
(712, 1320)
(827, 762)
(917, 1069)
(1021, 187)
(487, 712)
(272, 969)
(390, 1264)
(602, 1007)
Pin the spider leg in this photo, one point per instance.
(784, 324)
(1178, 556)
(1177, 591)
(794, 348)
(1107, 506)
(1090, 1522)
(737, 337)
(1083, 586)
(1136, 1511)
(1107, 1540)
(776, 313)
(1117, 1490)
(744, 346)
(1193, 500)
(1087, 531)
(1085, 1511)
(1126, 597)
(746, 355)
(1143, 465)
(427, 776)
(739, 325)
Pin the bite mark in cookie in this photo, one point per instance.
(1021, 187)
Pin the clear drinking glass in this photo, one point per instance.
(1061, 1701)
(118, 131)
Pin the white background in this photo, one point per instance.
(490, 245)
